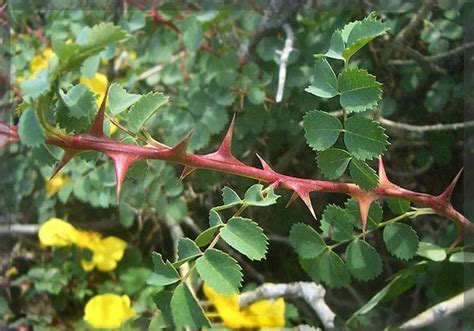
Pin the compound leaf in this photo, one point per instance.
(359, 90)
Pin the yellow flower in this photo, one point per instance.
(108, 311)
(98, 84)
(106, 252)
(40, 61)
(57, 233)
(264, 313)
(56, 183)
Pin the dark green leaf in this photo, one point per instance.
(359, 90)
(401, 240)
(398, 206)
(186, 310)
(363, 260)
(363, 175)
(321, 130)
(187, 248)
(30, 129)
(164, 273)
(329, 268)
(306, 241)
(245, 236)
(324, 80)
(206, 236)
(220, 271)
(333, 162)
(337, 224)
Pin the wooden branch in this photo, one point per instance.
(284, 55)
(425, 128)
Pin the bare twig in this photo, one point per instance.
(440, 311)
(19, 229)
(417, 56)
(312, 293)
(438, 57)
(414, 21)
(425, 128)
(284, 55)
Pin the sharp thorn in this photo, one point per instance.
(186, 171)
(122, 162)
(180, 148)
(382, 174)
(292, 199)
(265, 165)
(68, 155)
(97, 128)
(225, 149)
(446, 195)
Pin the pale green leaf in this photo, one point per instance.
(230, 197)
(321, 130)
(401, 240)
(431, 251)
(324, 80)
(364, 138)
(214, 218)
(119, 100)
(163, 273)
(255, 196)
(186, 310)
(143, 109)
(192, 34)
(245, 236)
(462, 257)
(333, 162)
(80, 101)
(363, 175)
(29, 129)
(306, 241)
(336, 47)
(363, 260)
(220, 271)
(359, 90)
(256, 95)
(337, 224)
(187, 248)
(37, 86)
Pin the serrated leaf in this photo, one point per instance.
(33, 88)
(329, 268)
(100, 36)
(321, 129)
(230, 197)
(363, 175)
(364, 138)
(361, 33)
(462, 257)
(324, 80)
(29, 129)
(143, 109)
(90, 66)
(163, 273)
(401, 240)
(337, 224)
(336, 47)
(398, 206)
(359, 90)
(245, 236)
(373, 218)
(80, 101)
(363, 260)
(333, 162)
(220, 271)
(187, 248)
(186, 310)
(207, 235)
(254, 196)
(119, 99)
(306, 241)
(431, 251)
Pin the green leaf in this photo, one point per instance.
(164, 273)
(220, 271)
(187, 248)
(33, 88)
(329, 268)
(321, 129)
(206, 236)
(254, 196)
(337, 224)
(402, 281)
(119, 100)
(324, 80)
(214, 218)
(245, 236)
(364, 138)
(192, 34)
(186, 310)
(401, 240)
(431, 251)
(333, 162)
(336, 47)
(100, 36)
(163, 303)
(230, 197)
(361, 33)
(363, 260)
(462, 257)
(80, 101)
(143, 109)
(373, 218)
(256, 95)
(398, 206)
(363, 175)
(306, 241)
(30, 129)
(359, 90)
(90, 66)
